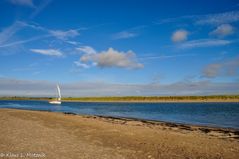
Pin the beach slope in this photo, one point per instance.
(27, 134)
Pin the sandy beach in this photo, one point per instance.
(38, 134)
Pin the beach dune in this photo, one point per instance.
(28, 134)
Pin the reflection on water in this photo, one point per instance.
(211, 114)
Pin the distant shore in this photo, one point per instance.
(69, 136)
(139, 99)
(158, 101)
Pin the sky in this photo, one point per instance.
(119, 48)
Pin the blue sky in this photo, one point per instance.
(143, 47)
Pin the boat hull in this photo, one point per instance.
(55, 102)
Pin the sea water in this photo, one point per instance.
(208, 114)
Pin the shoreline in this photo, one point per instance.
(136, 101)
(66, 135)
(158, 101)
(186, 126)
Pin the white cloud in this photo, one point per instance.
(223, 30)
(124, 35)
(81, 65)
(114, 58)
(111, 58)
(9, 32)
(63, 35)
(87, 50)
(206, 19)
(35, 26)
(180, 35)
(73, 42)
(224, 68)
(40, 8)
(28, 3)
(8, 43)
(157, 57)
(128, 33)
(219, 18)
(24, 41)
(212, 70)
(203, 43)
(50, 52)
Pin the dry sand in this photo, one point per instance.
(36, 134)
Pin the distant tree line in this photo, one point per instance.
(132, 98)
(154, 98)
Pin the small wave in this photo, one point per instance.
(15, 105)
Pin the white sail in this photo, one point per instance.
(59, 92)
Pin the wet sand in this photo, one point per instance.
(38, 134)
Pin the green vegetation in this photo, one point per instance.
(155, 98)
(135, 98)
(25, 98)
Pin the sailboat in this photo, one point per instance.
(58, 99)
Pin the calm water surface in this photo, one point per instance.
(209, 114)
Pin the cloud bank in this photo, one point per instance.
(16, 87)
